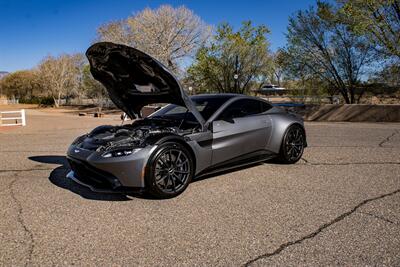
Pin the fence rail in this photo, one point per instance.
(13, 116)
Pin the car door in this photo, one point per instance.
(240, 130)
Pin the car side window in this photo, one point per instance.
(265, 106)
(241, 108)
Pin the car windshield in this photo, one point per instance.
(206, 105)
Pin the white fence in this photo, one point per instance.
(7, 116)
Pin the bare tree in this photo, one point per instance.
(59, 76)
(93, 89)
(320, 44)
(169, 34)
(115, 31)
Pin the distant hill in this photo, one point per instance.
(3, 73)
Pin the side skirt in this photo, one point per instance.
(235, 163)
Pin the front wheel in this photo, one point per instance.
(292, 146)
(170, 170)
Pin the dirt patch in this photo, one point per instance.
(17, 107)
(4, 129)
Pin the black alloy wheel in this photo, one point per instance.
(170, 170)
(292, 147)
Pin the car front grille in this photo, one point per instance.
(93, 176)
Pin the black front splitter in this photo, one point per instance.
(71, 175)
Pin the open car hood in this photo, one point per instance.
(134, 79)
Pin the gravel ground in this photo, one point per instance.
(340, 205)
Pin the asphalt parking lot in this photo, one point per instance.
(340, 205)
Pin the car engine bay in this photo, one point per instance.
(135, 135)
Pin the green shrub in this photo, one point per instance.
(46, 101)
(42, 101)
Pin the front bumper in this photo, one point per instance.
(71, 175)
(89, 168)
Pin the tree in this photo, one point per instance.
(242, 54)
(92, 88)
(389, 75)
(60, 76)
(279, 66)
(168, 34)
(20, 84)
(378, 20)
(319, 43)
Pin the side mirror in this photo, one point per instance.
(220, 124)
(225, 119)
(229, 119)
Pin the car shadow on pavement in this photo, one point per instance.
(58, 178)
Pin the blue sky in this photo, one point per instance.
(32, 29)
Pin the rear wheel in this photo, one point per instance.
(292, 145)
(169, 171)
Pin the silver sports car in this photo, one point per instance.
(184, 140)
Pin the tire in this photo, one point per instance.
(292, 146)
(169, 170)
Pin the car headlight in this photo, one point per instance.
(120, 153)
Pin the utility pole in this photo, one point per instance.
(236, 74)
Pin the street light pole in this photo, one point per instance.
(236, 74)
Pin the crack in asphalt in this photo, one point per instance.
(305, 160)
(350, 163)
(323, 227)
(387, 139)
(378, 217)
(21, 221)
